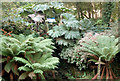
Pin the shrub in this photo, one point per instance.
(74, 55)
(66, 33)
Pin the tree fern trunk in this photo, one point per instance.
(42, 77)
(102, 72)
(38, 77)
(99, 68)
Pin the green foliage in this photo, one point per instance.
(87, 26)
(46, 62)
(107, 11)
(75, 55)
(25, 10)
(114, 30)
(66, 32)
(90, 48)
(58, 7)
(41, 7)
(38, 56)
(99, 22)
(16, 23)
(105, 47)
(70, 21)
(17, 19)
(10, 47)
(51, 9)
(36, 53)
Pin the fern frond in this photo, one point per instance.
(38, 71)
(24, 68)
(21, 60)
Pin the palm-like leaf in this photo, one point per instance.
(38, 56)
(47, 62)
(102, 46)
(35, 50)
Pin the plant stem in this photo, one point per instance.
(42, 77)
(99, 69)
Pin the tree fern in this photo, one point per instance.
(33, 50)
(102, 46)
(38, 56)
(9, 48)
(38, 66)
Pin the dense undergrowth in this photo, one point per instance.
(48, 42)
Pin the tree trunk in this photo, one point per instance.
(78, 10)
(95, 14)
(81, 13)
(99, 67)
(93, 8)
(89, 14)
(100, 9)
(78, 15)
(92, 14)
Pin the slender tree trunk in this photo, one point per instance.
(85, 16)
(78, 15)
(99, 67)
(95, 14)
(92, 14)
(81, 13)
(93, 8)
(100, 9)
(78, 10)
(89, 14)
